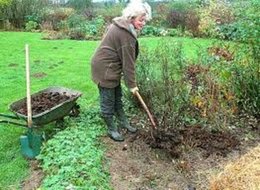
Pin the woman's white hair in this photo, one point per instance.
(136, 8)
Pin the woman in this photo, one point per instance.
(115, 57)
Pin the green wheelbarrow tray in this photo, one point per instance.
(31, 142)
(55, 113)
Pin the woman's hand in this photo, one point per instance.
(134, 90)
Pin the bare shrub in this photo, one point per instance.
(160, 15)
(192, 22)
(52, 35)
(77, 34)
(54, 16)
(184, 16)
(46, 26)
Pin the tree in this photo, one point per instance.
(79, 4)
(15, 11)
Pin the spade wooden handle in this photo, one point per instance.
(139, 97)
(28, 92)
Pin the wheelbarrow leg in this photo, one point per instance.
(31, 144)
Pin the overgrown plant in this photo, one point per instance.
(245, 80)
(183, 93)
(160, 76)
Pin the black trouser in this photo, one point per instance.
(110, 100)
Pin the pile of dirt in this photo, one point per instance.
(175, 159)
(43, 102)
(174, 141)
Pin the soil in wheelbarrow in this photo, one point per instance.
(43, 102)
(176, 159)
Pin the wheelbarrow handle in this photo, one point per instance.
(8, 116)
(139, 97)
(12, 120)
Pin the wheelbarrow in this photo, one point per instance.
(31, 142)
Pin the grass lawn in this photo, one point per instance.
(63, 63)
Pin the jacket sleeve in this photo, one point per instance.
(128, 58)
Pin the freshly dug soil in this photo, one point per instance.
(175, 140)
(176, 159)
(44, 102)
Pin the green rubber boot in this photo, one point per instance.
(112, 129)
(123, 122)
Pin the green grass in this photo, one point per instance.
(191, 46)
(65, 63)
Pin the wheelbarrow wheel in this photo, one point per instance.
(60, 123)
(75, 111)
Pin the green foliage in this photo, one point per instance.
(63, 67)
(159, 76)
(248, 22)
(184, 5)
(77, 27)
(159, 15)
(73, 158)
(245, 79)
(31, 26)
(34, 17)
(183, 15)
(212, 16)
(55, 16)
(149, 30)
(4, 3)
(79, 4)
(76, 20)
(17, 11)
(110, 12)
(246, 85)
(96, 26)
(180, 92)
(246, 27)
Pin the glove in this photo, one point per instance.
(134, 90)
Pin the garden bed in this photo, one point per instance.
(179, 159)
